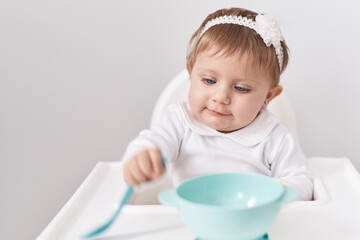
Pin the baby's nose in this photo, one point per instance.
(221, 95)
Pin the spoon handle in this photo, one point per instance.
(124, 200)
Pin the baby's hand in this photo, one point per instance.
(283, 182)
(143, 166)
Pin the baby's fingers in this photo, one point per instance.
(145, 164)
(128, 176)
(135, 174)
(156, 160)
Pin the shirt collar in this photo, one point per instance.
(250, 135)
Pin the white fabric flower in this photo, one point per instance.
(269, 30)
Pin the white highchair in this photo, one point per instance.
(334, 213)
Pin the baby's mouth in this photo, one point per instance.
(217, 113)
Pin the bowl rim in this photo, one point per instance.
(232, 207)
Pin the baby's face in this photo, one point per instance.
(227, 94)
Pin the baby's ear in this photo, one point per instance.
(273, 93)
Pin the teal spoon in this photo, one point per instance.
(107, 224)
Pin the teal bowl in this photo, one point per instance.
(229, 206)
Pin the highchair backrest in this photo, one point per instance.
(177, 89)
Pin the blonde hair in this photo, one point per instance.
(230, 39)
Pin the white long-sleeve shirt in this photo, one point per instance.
(264, 146)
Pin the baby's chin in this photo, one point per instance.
(219, 123)
(222, 129)
(228, 131)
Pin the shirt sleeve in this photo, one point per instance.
(166, 135)
(289, 165)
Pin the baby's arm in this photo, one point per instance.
(143, 155)
(289, 167)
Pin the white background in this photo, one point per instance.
(79, 79)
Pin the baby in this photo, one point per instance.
(234, 61)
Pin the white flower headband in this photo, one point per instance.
(264, 25)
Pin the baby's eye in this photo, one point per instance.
(241, 89)
(209, 81)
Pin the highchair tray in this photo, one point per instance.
(334, 214)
